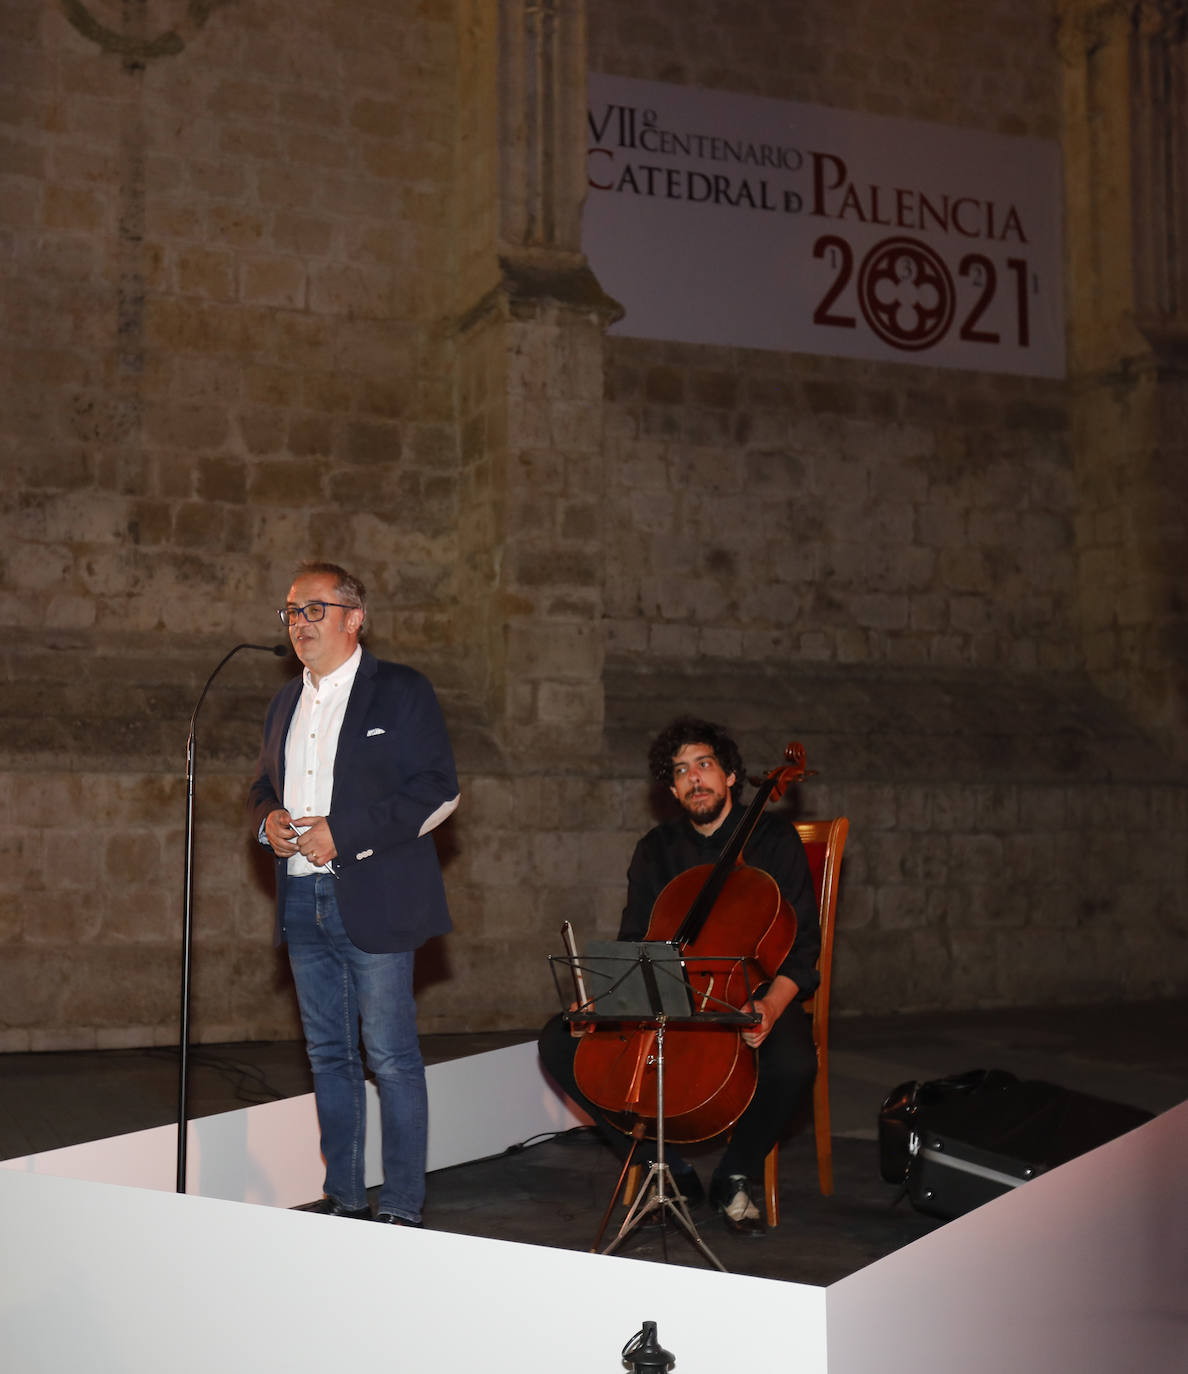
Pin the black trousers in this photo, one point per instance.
(786, 1069)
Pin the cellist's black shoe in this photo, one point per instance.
(731, 1195)
(331, 1207)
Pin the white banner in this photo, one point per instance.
(731, 219)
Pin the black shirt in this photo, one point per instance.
(774, 846)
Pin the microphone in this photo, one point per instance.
(280, 650)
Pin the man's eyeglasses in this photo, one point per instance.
(312, 610)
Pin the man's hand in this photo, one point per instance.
(314, 839)
(771, 1006)
(278, 831)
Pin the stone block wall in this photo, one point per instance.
(1008, 894)
(223, 276)
(280, 280)
(91, 911)
(773, 508)
(981, 66)
(225, 251)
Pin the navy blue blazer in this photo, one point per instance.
(394, 767)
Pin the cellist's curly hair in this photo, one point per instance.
(689, 730)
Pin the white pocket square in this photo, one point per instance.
(376, 731)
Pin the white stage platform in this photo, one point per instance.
(106, 1268)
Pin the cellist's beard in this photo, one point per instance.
(710, 809)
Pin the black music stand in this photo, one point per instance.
(644, 999)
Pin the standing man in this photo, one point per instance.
(354, 773)
(702, 768)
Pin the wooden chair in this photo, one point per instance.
(824, 842)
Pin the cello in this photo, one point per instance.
(734, 929)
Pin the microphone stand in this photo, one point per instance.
(183, 1061)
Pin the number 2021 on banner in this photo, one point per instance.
(910, 299)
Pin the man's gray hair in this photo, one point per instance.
(347, 587)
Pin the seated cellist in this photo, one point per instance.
(701, 765)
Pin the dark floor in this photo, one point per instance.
(554, 1192)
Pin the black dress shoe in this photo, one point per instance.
(331, 1207)
(731, 1195)
(391, 1219)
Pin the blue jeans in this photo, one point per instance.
(340, 987)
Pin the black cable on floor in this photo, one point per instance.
(248, 1082)
(518, 1147)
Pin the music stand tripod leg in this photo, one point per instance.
(651, 1199)
(643, 1204)
(666, 1199)
(681, 1213)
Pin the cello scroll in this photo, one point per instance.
(792, 771)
